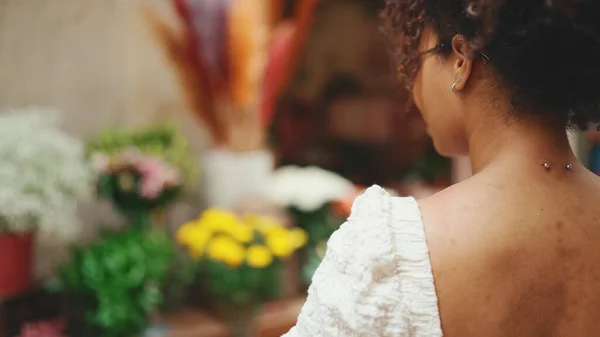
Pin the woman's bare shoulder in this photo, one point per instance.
(471, 217)
(457, 204)
(513, 244)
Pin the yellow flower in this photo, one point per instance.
(197, 241)
(195, 237)
(261, 223)
(197, 251)
(298, 238)
(184, 232)
(279, 243)
(217, 247)
(216, 213)
(242, 233)
(225, 249)
(259, 257)
(235, 256)
(218, 219)
(227, 222)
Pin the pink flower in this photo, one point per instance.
(156, 175)
(152, 177)
(43, 329)
(150, 168)
(150, 189)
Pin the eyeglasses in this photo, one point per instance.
(441, 46)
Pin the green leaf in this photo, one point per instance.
(120, 277)
(150, 298)
(92, 270)
(106, 186)
(55, 285)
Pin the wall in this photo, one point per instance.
(95, 61)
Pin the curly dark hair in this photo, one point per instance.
(544, 53)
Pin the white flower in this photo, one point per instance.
(43, 173)
(307, 189)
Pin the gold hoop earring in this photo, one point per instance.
(457, 93)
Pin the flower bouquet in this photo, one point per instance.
(144, 170)
(240, 259)
(137, 183)
(43, 178)
(233, 59)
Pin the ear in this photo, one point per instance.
(463, 63)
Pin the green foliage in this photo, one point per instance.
(240, 286)
(116, 282)
(181, 274)
(319, 224)
(311, 263)
(164, 141)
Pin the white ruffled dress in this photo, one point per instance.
(376, 278)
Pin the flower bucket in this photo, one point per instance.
(16, 257)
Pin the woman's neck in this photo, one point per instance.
(528, 142)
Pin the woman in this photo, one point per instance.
(514, 250)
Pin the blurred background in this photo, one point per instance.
(175, 167)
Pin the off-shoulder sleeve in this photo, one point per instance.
(375, 279)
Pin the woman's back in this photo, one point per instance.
(512, 251)
(514, 255)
